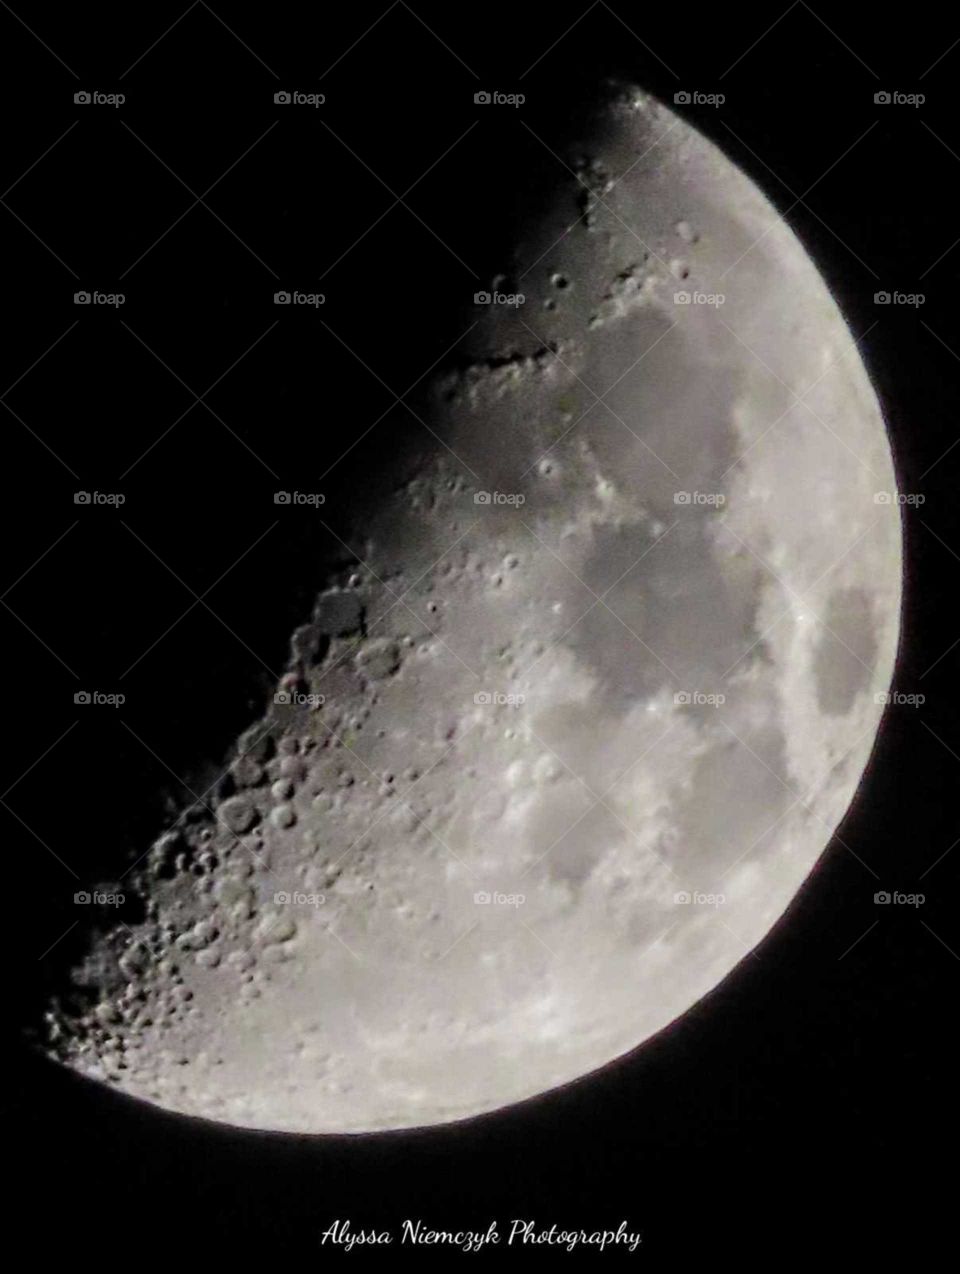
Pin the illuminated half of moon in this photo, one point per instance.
(560, 747)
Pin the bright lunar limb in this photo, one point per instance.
(564, 743)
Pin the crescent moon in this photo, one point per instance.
(559, 749)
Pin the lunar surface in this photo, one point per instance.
(558, 749)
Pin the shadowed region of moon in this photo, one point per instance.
(567, 730)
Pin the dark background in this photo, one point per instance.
(810, 1099)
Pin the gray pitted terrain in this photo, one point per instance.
(561, 747)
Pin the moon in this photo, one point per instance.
(560, 744)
